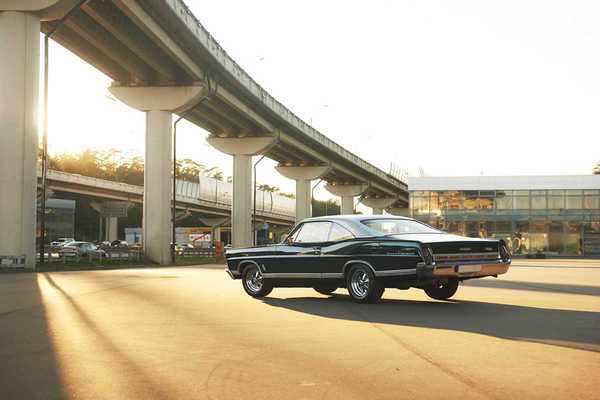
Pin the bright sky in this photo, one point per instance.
(457, 88)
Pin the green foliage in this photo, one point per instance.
(114, 165)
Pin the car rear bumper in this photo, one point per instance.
(464, 269)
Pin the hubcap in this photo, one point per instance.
(254, 280)
(360, 282)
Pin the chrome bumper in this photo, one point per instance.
(488, 267)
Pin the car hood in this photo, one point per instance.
(437, 238)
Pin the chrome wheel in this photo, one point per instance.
(360, 283)
(254, 280)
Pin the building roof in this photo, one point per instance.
(539, 182)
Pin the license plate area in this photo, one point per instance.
(468, 268)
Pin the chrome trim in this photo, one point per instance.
(464, 256)
(230, 274)
(314, 275)
(357, 262)
(332, 275)
(397, 272)
(241, 264)
(496, 261)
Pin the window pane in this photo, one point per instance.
(556, 202)
(556, 192)
(574, 202)
(538, 192)
(338, 233)
(504, 203)
(574, 192)
(521, 192)
(592, 202)
(521, 203)
(313, 232)
(538, 203)
(420, 205)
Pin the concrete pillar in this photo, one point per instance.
(159, 102)
(378, 204)
(347, 193)
(303, 176)
(113, 223)
(217, 234)
(242, 150)
(156, 221)
(19, 90)
(241, 212)
(347, 205)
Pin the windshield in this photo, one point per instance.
(398, 226)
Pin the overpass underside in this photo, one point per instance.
(162, 61)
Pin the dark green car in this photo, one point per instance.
(366, 255)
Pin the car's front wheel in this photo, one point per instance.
(362, 286)
(442, 290)
(253, 282)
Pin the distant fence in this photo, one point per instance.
(207, 252)
(10, 262)
(59, 254)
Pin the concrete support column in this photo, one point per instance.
(242, 150)
(347, 205)
(156, 223)
(347, 193)
(19, 90)
(378, 204)
(159, 102)
(241, 213)
(217, 234)
(303, 176)
(113, 223)
(303, 203)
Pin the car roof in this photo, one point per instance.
(353, 222)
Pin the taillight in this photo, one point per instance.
(504, 253)
(427, 255)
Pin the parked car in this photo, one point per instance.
(82, 248)
(102, 243)
(61, 241)
(119, 243)
(366, 255)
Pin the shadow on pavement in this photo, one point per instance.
(28, 367)
(572, 329)
(534, 286)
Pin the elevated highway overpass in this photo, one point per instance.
(209, 197)
(162, 61)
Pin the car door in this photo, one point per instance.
(300, 255)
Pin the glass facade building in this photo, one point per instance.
(553, 215)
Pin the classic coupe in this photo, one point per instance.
(366, 255)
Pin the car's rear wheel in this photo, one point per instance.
(442, 290)
(362, 286)
(326, 289)
(253, 282)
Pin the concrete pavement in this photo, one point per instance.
(194, 333)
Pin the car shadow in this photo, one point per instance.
(565, 328)
(534, 286)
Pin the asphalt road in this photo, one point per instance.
(179, 333)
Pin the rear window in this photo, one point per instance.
(398, 226)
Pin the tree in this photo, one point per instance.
(597, 169)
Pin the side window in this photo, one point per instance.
(338, 233)
(313, 232)
(294, 235)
